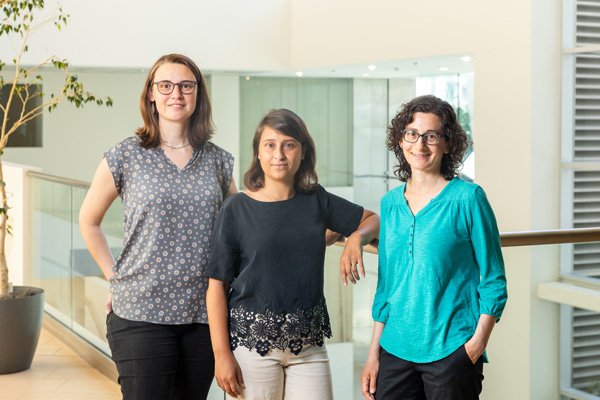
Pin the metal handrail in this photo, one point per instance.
(532, 238)
(59, 179)
(555, 236)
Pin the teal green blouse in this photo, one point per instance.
(438, 271)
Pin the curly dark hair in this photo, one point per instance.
(287, 123)
(457, 138)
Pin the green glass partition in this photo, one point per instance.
(76, 289)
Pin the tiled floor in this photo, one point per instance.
(57, 373)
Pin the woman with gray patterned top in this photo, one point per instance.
(172, 182)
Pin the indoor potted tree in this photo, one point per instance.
(21, 308)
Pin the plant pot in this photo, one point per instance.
(20, 326)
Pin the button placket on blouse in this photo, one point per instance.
(411, 241)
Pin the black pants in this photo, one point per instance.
(452, 378)
(161, 362)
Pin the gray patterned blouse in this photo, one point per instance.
(168, 218)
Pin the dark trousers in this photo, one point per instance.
(161, 362)
(452, 378)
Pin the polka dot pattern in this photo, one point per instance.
(168, 219)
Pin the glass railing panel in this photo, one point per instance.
(76, 292)
(52, 246)
(90, 288)
(351, 323)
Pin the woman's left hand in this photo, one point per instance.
(351, 262)
(474, 349)
(477, 344)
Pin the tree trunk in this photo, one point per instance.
(3, 220)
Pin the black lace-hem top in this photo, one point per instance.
(273, 254)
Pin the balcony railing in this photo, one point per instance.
(76, 289)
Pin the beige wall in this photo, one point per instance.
(219, 35)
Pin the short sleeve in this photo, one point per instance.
(115, 160)
(485, 240)
(343, 216)
(225, 169)
(224, 261)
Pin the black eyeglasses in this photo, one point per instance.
(430, 138)
(167, 87)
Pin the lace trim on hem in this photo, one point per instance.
(270, 330)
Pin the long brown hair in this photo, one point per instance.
(201, 125)
(287, 123)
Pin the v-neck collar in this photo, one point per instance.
(196, 155)
(427, 206)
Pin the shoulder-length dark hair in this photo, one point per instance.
(457, 138)
(201, 124)
(287, 123)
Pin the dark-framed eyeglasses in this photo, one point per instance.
(430, 138)
(167, 87)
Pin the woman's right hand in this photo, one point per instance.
(368, 378)
(108, 304)
(229, 375)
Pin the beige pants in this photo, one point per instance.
(281, 375)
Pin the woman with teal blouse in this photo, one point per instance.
(442, 285)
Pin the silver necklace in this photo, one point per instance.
(174, 147)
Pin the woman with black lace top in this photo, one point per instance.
(266, 308)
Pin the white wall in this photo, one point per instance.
(219, 35)
(17, 251)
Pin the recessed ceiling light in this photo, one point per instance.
(365, 74)
(443, 68)
(466, 58)
(247, 78)
(371, 67)
(299, 73)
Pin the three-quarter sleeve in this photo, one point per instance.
(224, 261)
(381, 307)
(485, 240)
